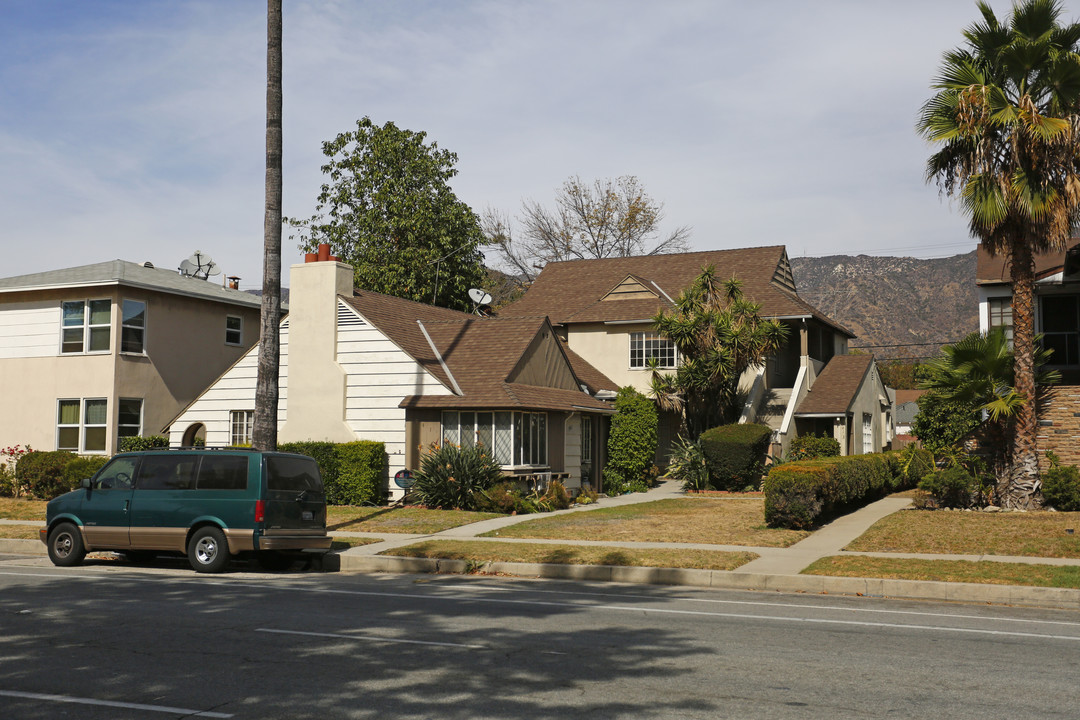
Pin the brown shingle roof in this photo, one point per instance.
(994, 270)
(571, 291)
(836, 386)
(481, 354)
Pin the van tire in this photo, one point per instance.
(66, 547)
(207, 551)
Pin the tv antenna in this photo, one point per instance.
(199, 265)
(479, 298)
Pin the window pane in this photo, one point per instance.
(134, 313)
(450, 428)
(468, 429)
(167, 472)
(96, 412)
(95, 439)
(68, 439)
(520, 431)
(131, 340)
(504, 438)
(541, 439)
(73, 314)
(130, 411)
(292, 473)
(117, 474)
(485, 430)
(223, 472)
(68, 413)
(99, 339)
(100, 312)
(72, 340)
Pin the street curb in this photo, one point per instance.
(1066, 598)
(22, 547)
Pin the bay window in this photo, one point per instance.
(515, 438)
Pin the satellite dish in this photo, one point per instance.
(199, 265)
(479, 297)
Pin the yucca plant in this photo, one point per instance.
(452, 477)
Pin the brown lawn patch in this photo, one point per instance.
(1033, 534)
(985, 571)
(479, 551)
(728, 521)
(399, 520)
(20, 532)
(21, 509)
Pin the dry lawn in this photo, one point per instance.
(1033, 534)
(418, 520)
(728, 521)
(986, 571)
(20, 532)
(479, 551)
(21, 509)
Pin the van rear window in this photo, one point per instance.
(223, 472)
(292, 473)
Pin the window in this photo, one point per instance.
(644, 346)
(117, 474)
(167, 472)
(129, 423)
(1001, 315)
(133, 327)
(1061, 328)
(515, 438)
(586, 447)
(223, 472)
(81, 425)
(241, 422)
(867, 433)
(85, 326)
(234, 330)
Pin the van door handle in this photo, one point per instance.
(127, 504)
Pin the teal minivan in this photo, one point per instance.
(209, 504)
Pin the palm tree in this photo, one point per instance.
(979, 373)
(718, 334)
(1006, 114)
(264, 431)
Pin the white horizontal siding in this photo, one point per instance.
(30, 329)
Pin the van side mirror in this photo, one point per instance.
(85, 483)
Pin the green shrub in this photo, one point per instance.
(952, 487)
(502, 497)
(1061, 488)
(352, 472)
(81, 467)
(687, 463)
(811, 447)
(632, 441)
(735, 455)
(800, 494)
(135, 443)
(42, 474)
(452, 477)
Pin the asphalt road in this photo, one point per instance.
(110, 640)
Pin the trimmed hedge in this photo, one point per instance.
(802, 493)
(810, 447)
(352, 472)
(735, 455)
(48, 474)
(135, 443)
(1061, 488)
(632, 441)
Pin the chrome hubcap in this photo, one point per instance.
(62, 545)
(206, 550)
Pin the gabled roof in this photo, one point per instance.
(996, 270)
(836, 387)
(481, 355)
(577, 291)
(129, 274)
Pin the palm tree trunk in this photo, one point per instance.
(1022, 482)
(264, 432)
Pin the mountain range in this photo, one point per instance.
(898, 307)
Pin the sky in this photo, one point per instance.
(135, 129)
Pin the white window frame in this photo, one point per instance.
(999, 314)
(125, 326)
(239, 341)
(241, 424)
(83, 425)
(76, 425)
(867, 433)
(647, 345)
(510, 449)
(86, 327)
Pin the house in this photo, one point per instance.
(907, 407)
(603, 309)
(94, 353)
(358, 365)
(1057, 319)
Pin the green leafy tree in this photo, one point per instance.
(941, 424)
(1005, 113)
(719, 334)
(388, 210)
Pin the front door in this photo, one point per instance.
(106, 509)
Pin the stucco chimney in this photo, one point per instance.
(315, 400)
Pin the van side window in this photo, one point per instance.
(223, 472)
(116, 475)
(165, 472)
(292, 473)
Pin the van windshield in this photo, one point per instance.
(292, 473)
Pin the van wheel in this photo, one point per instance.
(208, 551)
(273, 560)
(66, 545)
